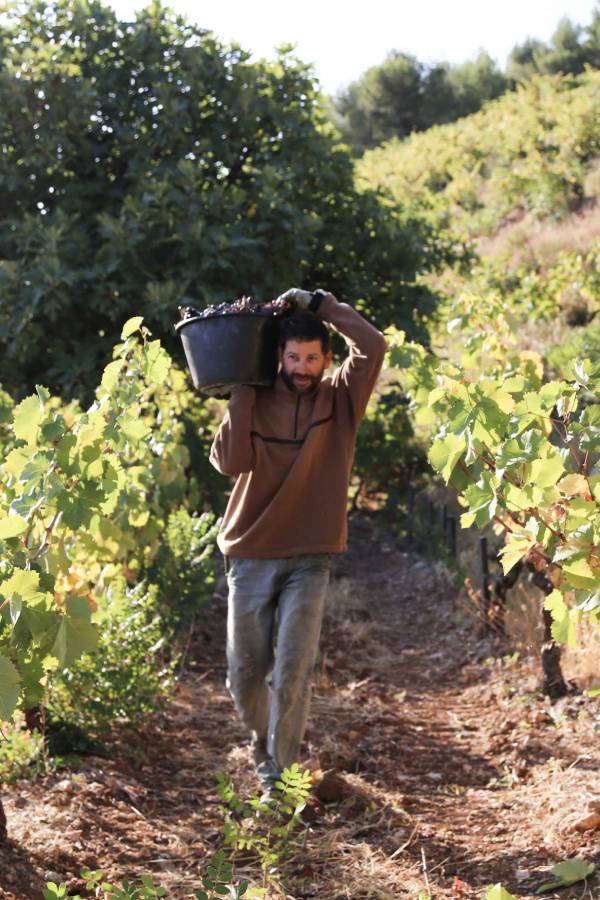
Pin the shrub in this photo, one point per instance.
(127, 676)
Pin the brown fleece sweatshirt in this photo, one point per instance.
(292, 453)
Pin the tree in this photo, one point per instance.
(403, 95)
(565, 54)
(384, 102)
(146, 165)
(475, 82)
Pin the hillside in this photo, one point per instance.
(532, 152)
(515, 187)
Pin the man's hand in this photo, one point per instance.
(299, 299)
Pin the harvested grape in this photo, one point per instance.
(244, 305)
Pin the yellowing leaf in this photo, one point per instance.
(530, 356)
(516, 547)
(580, 574)
(130, 326)
(499, 893)
(138, 518)
(571, 485)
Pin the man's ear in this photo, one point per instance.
(328, 358)
(280, 354)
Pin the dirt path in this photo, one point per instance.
(447, 771)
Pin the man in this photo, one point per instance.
(291, 449)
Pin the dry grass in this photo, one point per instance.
(559, 797)
(582, 663)
(529, 242)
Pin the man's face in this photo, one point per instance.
(303, 364)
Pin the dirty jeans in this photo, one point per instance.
(284, 598)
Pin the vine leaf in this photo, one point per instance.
(27, 417)
(9, 688)
(75, 636)
(12, 526)
(130, 326)
(499, 893)
(569, 872)
(563, 619)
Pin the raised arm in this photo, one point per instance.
(358, 373)
(232, 452)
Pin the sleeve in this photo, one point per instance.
(232, 451)
(358, 373)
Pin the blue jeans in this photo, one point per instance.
(275, 610)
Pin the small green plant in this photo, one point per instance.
(218, 882)
(21, 753)
(270, 828)
(146, 890)
(184, 568)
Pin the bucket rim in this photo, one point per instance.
(236, 315)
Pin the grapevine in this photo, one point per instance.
(520, 452)
(78, 496)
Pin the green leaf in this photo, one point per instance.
(157, 363)
(78, 607)
(75, 636)
(499, 893)
(43, 394)
(16, 461)
(11, 526)
(134, 429)
(39, 622)
(9, 688)
(90, 428)
(563, 619)
(445, 453)
(25, 584)
(483, 503)
(130, 326)
(569, 872)
(111, 374)
(594, 692)
(546, 472)
(27, 417)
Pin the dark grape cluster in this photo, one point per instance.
(244, 305)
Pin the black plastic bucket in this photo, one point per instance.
(229, 350)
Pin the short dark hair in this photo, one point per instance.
(303, 326)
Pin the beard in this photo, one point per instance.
(309, 382)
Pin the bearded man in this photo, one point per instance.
(290, 448)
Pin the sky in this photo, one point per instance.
(342, 40)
